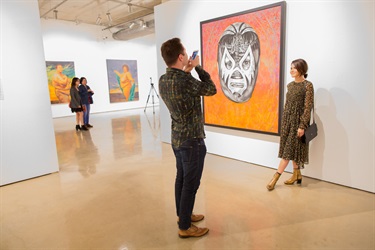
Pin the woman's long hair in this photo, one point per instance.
(74, 82)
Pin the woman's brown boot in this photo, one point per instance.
(271, 185)
(295, 177)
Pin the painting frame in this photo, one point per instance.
(123, 83)
(59, 76)
(262, 112)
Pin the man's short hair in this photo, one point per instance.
(170, 50)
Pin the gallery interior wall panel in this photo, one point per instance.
(334, 45)
(28, 146)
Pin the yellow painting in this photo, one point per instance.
(122, 80)
(59, 76)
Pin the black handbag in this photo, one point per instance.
(311, 131)
(91, 101)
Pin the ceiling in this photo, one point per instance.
(125, 19)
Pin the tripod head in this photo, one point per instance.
(152, 84)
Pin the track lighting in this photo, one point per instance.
(143, 24)
(98, 20)
(109, 17)
(55, 14)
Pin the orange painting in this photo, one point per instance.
(261, 110)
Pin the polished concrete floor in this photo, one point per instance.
(115, 191)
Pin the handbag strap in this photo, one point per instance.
(313, 110)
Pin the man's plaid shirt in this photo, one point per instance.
(182, 92)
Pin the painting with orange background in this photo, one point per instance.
(244, 55)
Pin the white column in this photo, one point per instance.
(27, 140)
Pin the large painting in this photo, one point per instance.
(244, 54)
(122, 80)
(60, 75)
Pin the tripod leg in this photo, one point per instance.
(155, 92)
(153, 104)
(148, 97)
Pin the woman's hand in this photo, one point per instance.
(300, 132)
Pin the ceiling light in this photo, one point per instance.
(55, 14)
(98, 20)
(109, 17)
(131, 25)
(143, 24)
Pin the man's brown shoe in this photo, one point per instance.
(195, 218)
(193, 231)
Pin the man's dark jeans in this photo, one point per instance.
(189, 163)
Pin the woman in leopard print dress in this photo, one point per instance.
(296, 118)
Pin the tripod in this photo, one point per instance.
(152, 90)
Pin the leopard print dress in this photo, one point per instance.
(297, 112)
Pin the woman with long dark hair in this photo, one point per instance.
(76, 104)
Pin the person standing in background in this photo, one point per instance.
(295, 119)
(76, 105)
(86, 97)
(181, 92)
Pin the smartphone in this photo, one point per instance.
(195, 53)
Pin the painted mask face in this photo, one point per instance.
(238, 60)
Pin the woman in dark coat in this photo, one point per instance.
(296, 118)
(76, 104)
(86, 98)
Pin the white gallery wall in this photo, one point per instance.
(336, 38)
(88, 46)
(27, 140)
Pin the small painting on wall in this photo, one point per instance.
(60, 75)
(122, 80)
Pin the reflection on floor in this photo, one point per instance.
(115, 191)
